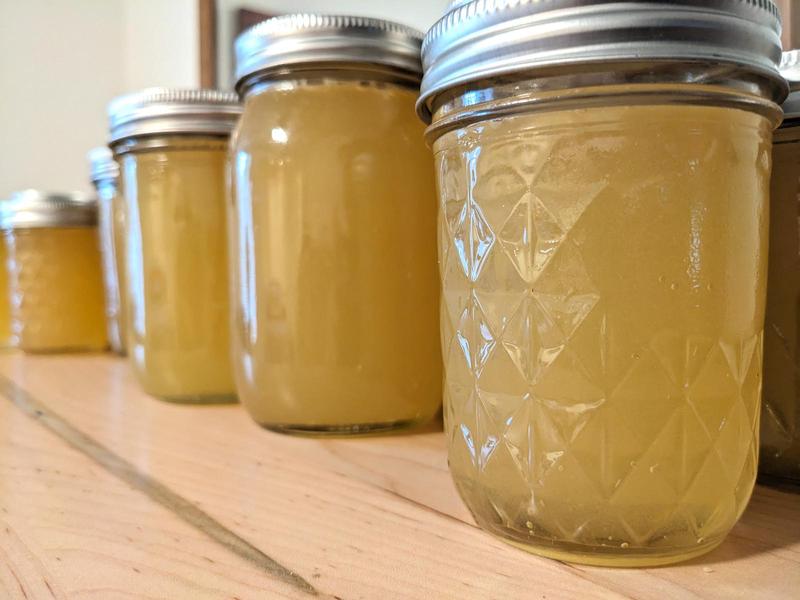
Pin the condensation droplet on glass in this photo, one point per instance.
(624, 545)
(560, 468)
(673, 286)
(528, 524)
(700, 540)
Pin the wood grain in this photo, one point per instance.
(364, 518)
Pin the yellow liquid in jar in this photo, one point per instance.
(109, 247)
(780, 418)
(6, 337)
(334, 285)
(604, 276)
(56, 288)
(177, 269)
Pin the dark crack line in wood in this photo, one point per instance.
(152, 488)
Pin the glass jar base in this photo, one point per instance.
(348, 430)
(199, 399)
(601, 556)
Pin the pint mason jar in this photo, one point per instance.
(780, 417)
(55, 278)
(171, 146)
(111, 229)
(603, 208)
(333, 239)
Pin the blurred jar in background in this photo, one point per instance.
(780, 417)
(55, 277)
(171, 146)
(333, 239)
(111, 228)
(603, 173)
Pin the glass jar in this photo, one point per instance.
(171, 146)
(780, 417)
(603, 237)
(55, 278)
(111, 228)
(333, 239)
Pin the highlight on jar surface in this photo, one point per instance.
(333, 238)
(780, 417)
(603, 229)
(55, 278)
(111, 229)
(171, 146)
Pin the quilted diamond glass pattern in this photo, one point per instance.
(603, 297)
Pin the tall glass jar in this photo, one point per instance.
(335, 291)
(171, 146)
(603, 187)
(55, 278)
(780, 417)
(111, 228)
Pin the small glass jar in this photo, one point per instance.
(603, 187)
(55, 277)
(171, 146)
(780, 418)
(111, 228)
(334, 283)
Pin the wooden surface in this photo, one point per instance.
(108, 494)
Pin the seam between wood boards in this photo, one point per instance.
(149, 486)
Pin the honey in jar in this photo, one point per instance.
(55, 277)
(105, 177)
(603, 253)
(172, 146)
(333, 239)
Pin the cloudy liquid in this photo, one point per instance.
(56, 286)
(178, 269)
(604, 282)
(334, 243)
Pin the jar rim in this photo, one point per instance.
(480, 39)
(300, 40)
(155, 111)
(31, 208)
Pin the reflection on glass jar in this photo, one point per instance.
(780, 418)
(171, 146)
(105, 177)
(333, 236)
(603, 243)
(55, 278)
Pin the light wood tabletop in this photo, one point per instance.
(106, 493)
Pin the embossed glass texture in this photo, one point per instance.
(335, 290)
(6, 337)
(602, 313)
(177, 265)
(780, 418)
(111, 231)
(56, 286)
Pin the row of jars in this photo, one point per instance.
(603, 210)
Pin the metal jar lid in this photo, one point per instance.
(102, 164)
(159, 111)
(32, 208)
(487, 38)
(790, 69)
(308, 39)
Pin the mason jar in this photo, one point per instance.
(333, 240)
(171, 146)
(55, 278)
(111, 229)
(603, 174)
(780, 417)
